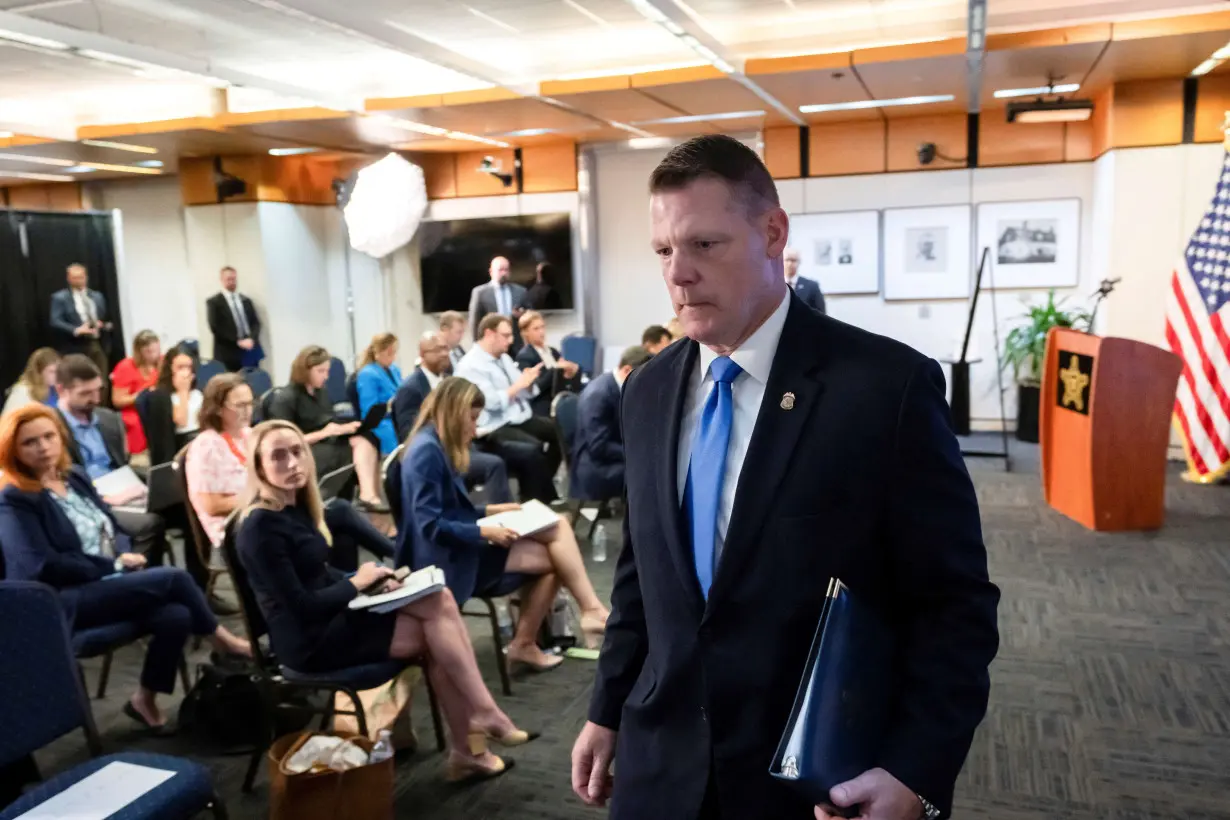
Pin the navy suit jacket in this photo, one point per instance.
(439, 521)
(808, 290)
(528, 357)
(598, 455)
(65, 319)
(408, 400)
(858, 477)
(41, 544)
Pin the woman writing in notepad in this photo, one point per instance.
(442, 526)
(284, 545)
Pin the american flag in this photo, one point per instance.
(1196, 331)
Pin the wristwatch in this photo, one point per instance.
(929, 811)
(119, 567)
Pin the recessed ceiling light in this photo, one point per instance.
(290, 152)
(859, 104)
(1067, 88)
(121, 146)
(727, 115)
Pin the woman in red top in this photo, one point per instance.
(136, 373)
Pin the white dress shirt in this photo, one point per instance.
(85, 306)
(755, 357)
(548, 358)
(494, 376)
(433, 381)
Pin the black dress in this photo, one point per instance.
(304, 600)
(311, 412)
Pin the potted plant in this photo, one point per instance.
(1025, 350)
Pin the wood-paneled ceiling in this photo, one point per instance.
(653, 89)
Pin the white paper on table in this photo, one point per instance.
(102, 794)
(121, 482)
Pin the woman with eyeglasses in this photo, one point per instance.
(284, 543)
(55, 529)
(217, 461)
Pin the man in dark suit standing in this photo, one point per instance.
(808, 290)
(598, 455)
(79, 319)
(498, 296)
(557, 372)
(234, 323)
(771, 450)
(486, 469)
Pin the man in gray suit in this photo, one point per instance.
(498, 296)
(79, 319)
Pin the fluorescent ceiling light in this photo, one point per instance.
(149, 163)
(650, 142)
(859, 104)
(69, 163)
(1222, 53)
(152, 68)
(1050, 111)
(6, 135)
(290, 152)
(31, 40)
(727, 115)
(81, 169)
(63, 163)
(1205, 67)
(1035, 117)
(408, 125)
(1067, 88)
(32, 175)
(530, 132)
(631, 129)
(121, 146)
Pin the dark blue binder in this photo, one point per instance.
(841, 711)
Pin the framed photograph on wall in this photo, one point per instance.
(841, 251)
(1034, 244)
(927, 253)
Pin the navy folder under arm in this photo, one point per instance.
(840, 715)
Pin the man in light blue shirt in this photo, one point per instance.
(528, 444)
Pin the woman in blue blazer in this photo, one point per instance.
(377, 382)
(55, 528)
(441, 526)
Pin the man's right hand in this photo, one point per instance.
(85, 330)
(528, 377)
(246, 344)
(592, 756)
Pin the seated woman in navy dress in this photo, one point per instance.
(55, 529)
(441, 525)
(284, 544)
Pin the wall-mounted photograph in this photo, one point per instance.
(1034, 244)
(927, 253)
(840, 251)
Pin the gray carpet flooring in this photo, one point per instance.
(1110, 698)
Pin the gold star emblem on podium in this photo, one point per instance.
(1074, 384)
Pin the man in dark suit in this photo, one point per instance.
(557, 373)
(234, 324)
(655, 339)
(598, 455)
(498, 296)
(79, 319)
(808, 290)
(452, 330)
(486, 469)
(770, 451)
(98, 443)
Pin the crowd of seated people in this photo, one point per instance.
(37, 383)
(467, 420)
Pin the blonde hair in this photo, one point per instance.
(528, 318)
(32, 376)
(380, 343)
(448, 408)
(260, 494)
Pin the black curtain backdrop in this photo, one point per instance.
(35, 251)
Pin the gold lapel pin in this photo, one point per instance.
(787, 401)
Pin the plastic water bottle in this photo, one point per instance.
(504, 618)
(383, 749)
(598, 542)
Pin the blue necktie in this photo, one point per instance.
(707, 467)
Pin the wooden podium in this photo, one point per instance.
(1104, 422)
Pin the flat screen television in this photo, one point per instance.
(455, 256)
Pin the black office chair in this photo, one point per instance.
(272, 676)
